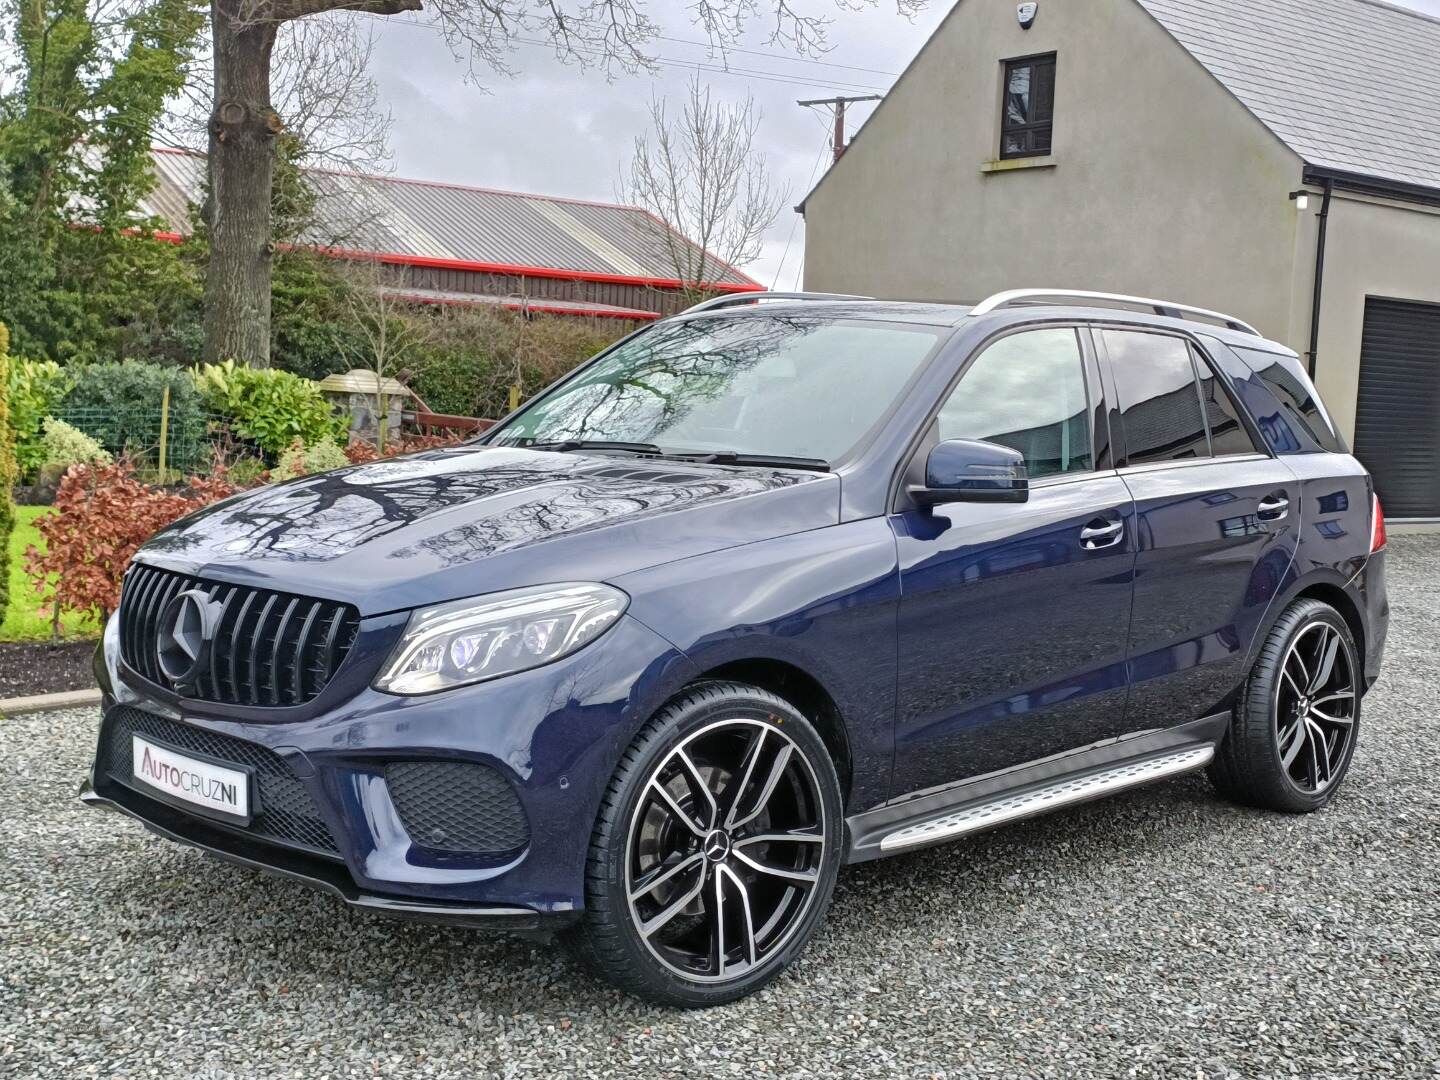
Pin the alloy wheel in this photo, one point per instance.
(1315, 707)
(725, 851)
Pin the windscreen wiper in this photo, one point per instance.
(734, 457)
(564, 446)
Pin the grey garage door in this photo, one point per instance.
(1397, 418)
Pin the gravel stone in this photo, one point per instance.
(1158, 933)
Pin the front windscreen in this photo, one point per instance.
(772, 385)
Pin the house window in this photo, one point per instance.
(1029, 106)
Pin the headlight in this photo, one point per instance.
(468, 641)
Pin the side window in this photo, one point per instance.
(1158, 397)
(1228, 433)
(1287, 381)
(1027, 392)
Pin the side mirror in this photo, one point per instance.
(972, 470)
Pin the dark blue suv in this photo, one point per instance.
(764, 589)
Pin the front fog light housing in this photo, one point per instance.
(469, 641)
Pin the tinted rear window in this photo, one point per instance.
(1159, 398)
(1292, 388)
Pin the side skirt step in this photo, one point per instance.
(1046, 797)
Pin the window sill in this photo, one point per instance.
(997, 165)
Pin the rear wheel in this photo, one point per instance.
(716, 849)
(1294, 729)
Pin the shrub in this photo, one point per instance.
(35, 389)
(301, 460)
(65, 446)
(7, 474)
(102, 514)
(272, 407)
(119, 405)
(361, 451)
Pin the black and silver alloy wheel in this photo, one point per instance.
(1297, 718)
(716, 851)
(1315, 700)
(725, 849)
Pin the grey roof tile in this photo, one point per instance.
(1351, 85)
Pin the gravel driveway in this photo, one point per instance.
(1160, 933)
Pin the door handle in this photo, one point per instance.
(1102, 533)
(1273, 507)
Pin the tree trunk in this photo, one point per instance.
(243, 127)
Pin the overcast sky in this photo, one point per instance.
(562, 130)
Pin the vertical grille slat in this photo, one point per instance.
(276, 650)
(143, 598)
(269, 649)
(297, 670)
(256, 640)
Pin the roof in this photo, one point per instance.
(1350, 85)
(363, 381)
(450, 226)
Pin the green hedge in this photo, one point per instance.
(119, 405)
(7, 474)
(272, 407)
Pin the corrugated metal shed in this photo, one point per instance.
(448, 225)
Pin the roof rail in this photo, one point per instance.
(1014, 297)
(751, 297)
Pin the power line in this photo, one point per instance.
(796, 222)
(783, 78)
(777, 55)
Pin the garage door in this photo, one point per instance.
(1397, 419)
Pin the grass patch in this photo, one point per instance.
(24, 621)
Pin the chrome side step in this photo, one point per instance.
(1042, 799)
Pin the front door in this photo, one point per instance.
(1014, 616)
(1216, 524)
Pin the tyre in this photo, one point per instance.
(1297, 717)
(715, 852)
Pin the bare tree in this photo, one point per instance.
(706, 184)
(321, 86)
(244, 123)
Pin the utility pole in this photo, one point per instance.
(837, 104)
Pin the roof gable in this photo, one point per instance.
(1349, 85)
(452, 224)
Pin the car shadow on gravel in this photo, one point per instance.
(179, 896)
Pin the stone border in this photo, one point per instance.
(69, 699)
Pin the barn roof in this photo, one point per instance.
(451, 226)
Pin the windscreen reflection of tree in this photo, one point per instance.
(657, 381)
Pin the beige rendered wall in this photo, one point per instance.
(1161, 184)
(1371, 249)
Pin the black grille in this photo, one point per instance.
(452, 806)
(287, 813)
(269, 648)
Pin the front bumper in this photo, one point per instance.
(554, 733)
(312, 871)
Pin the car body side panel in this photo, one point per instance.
(1012, 634)
(823, 601)
(1207, 572)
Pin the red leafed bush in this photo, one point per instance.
(102, 514)
(359, 452)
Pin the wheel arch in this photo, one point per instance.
(806, 693)
(1328, 587)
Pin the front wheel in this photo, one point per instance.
(1294, 728)
(716, 849)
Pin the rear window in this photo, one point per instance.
(1284, 377)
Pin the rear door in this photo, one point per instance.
(1014, 616)
(1216, 524)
